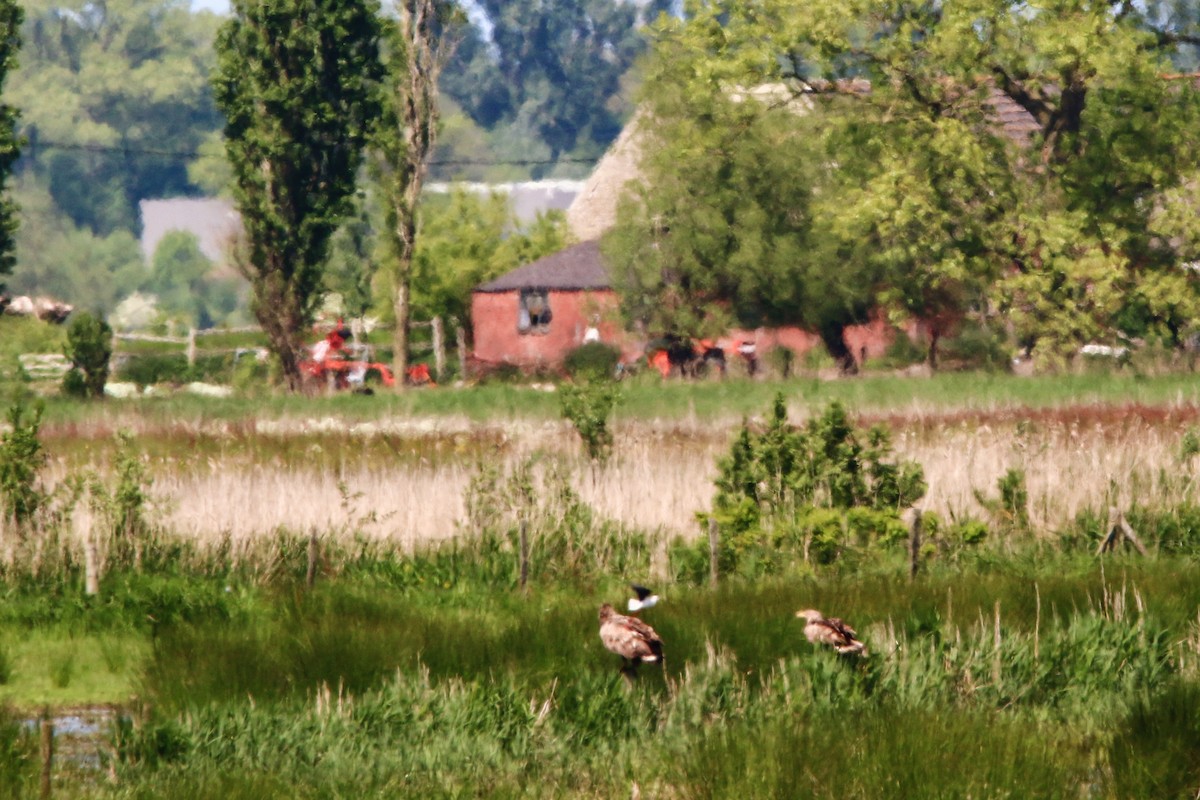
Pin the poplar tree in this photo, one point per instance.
(11, 16)
(295, 79)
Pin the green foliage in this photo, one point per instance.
(294, 79)
(22, 457)
(977, 346)
(592, 361)
(1010, 510)
(182, 282)
(149, 61)
(124, 506)
(69, 262)
(89, 348)
(554, 74)
(18, 756)
(817, 487)
(12, 14)
(902, 351)
(588, 406)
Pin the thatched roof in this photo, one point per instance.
(577, 268)
(594, 209)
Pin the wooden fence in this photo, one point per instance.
(435, 347)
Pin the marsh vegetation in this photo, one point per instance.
(348, 616)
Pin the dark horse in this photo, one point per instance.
(695, 359)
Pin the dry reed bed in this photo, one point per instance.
(1074, 458)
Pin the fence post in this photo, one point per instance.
(714, 550)
(460, 342)
(439, 349)
(47, 731)
(191, 347)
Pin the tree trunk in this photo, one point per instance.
(414, 97)
(935, 336)
(402, 309)
(833, 335)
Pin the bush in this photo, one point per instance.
(21, 460)
(89, 348)
(782, 360)
(903, 352)
(588, 406)
(592, 361)
(819, 486)
(977, 346)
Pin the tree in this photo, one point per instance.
(89, 348)
(555, 71)
(68, 262)
(466, 240)
(115, 96)
(295, 79)
(941, 207)
(182, 280)
(419, 43)
(730, 221)
(10, 42)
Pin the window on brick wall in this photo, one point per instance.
(533, 311)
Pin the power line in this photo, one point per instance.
(38, 145)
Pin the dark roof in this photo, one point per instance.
(578, 267)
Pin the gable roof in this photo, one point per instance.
(578, 267)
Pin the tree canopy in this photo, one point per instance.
(11, 15)
(554, 72)
(115, 99)
(295, 79)
(922, 200)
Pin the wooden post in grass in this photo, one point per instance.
(524, 547)
(47, 731)
(460, 343)
(996, 662)
(314, 558)
(91, 568)
(191, 347)
(714, 551)
(439, 349)
(91, 558)
(914, 544)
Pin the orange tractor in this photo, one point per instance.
(333, 362)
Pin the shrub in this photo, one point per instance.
(89, 348)
(588, 406)
(816, 486)
(903, 352)
(977, 346)
(782, 360)
(592, 361)
(21, 461)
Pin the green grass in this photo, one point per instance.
(50, 667)
(647, 398)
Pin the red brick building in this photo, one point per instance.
(536, 314)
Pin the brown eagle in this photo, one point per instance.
(831, 631)
(630, 638)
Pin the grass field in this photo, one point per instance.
(407, 659)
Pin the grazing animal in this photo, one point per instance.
(646, 598)
(831, 631)
(630, 638)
